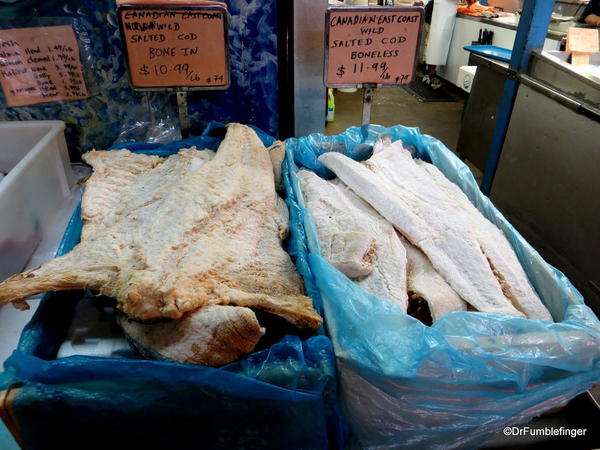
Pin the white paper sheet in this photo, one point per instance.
(440, 32)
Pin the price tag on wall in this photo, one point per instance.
(371, 45)
(39, 65)
(176, 46)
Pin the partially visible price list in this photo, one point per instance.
(39, 65)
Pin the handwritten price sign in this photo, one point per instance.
(39, 65)
(176, 46)
(374, 45)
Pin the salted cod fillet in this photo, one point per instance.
(210, 236)
(356, 239)
(213, 335)
(423, 281)
(495, 246)
(414, 205)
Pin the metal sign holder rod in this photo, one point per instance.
(184, 116)
(368, 92)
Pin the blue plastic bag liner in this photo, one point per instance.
(280, 397)
(460, 381)
(490, 51)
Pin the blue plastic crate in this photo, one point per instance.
(281, 397)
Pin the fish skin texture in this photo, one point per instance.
(415, 206)
(186, 239)
(211, 336)
(114, 187)
(425, 282)
(356, 239)
(501, 257)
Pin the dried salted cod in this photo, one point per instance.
(498, 251)
(212, 336)
(424, 282)
(392, 183)
(208, 235)
(356, 239)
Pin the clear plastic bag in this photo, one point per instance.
(460, 381)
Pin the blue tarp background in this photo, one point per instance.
(115, 111)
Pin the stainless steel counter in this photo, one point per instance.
(579, 82)
(479, 116)
(548, 178)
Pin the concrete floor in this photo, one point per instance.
(395, 106)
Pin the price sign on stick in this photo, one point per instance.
(175, 46)
(370, 47)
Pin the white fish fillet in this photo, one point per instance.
(416, 207)
(495, 246)
(425, 282)
(356, 239)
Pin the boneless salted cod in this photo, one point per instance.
(356, 239)
(432, 219)
(179, 241)
(424, 282)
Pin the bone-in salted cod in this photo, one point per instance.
(213, 335)
(207, 236)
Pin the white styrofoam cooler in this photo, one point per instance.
(34, 156)
(466, 75)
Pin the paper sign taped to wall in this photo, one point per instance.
(583, 40)
(39, 65)
(171, 47)
(375, 45)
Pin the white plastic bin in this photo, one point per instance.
(34, 156)
(466, 75)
